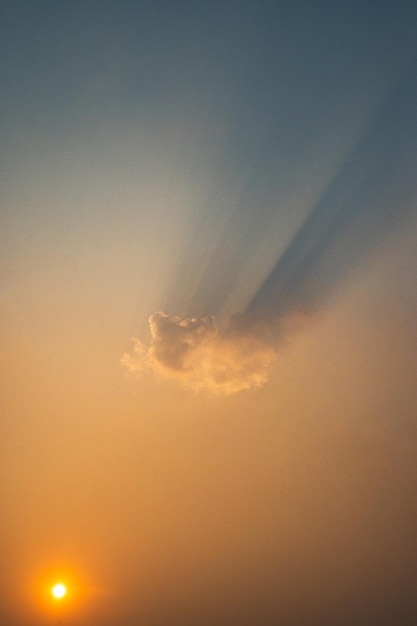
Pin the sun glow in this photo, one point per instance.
(59, 591)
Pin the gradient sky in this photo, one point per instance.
(206, 159)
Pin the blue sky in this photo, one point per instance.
(241, 115)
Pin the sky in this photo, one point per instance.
(208, 304)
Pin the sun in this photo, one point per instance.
(59, 590)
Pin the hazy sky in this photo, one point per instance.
(233, 185)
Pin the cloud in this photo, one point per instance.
(197, 353)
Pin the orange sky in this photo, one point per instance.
(157, 503)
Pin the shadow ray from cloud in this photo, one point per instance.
(368, 198)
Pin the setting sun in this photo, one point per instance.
(59, 591)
